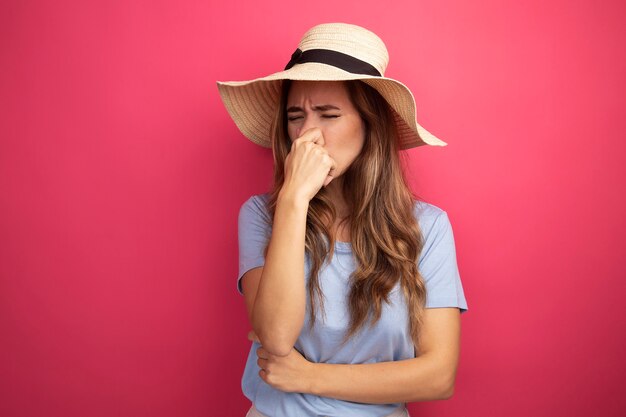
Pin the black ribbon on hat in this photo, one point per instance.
(336, 59)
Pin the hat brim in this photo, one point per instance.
(252, 104)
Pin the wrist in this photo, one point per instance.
(292, 198)
(314, 378)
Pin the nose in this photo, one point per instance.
(308, 122)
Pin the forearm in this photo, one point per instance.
(279, 306)
(419, 379)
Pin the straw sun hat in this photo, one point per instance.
(326, 52)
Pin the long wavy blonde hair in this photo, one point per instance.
(385, 235)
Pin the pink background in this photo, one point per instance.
(121, 176)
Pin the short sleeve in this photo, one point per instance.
(439, 268)
(254, 230)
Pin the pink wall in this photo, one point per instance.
(121, 176)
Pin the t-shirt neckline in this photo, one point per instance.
(343, 246)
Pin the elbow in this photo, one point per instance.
(446, 392)
(276, 345)
(277, 340)
(442, 381)
(437, 390)
(445, 389)
(277, 349)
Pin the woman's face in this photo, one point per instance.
(327, 106)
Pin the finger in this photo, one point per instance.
(252, 336)
(261, 353)
(333, 167)
(328, 160)
(314, 135)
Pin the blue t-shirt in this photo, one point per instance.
(388, 340)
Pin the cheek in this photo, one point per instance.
(357, 137)
(291, 132)
(347, 149)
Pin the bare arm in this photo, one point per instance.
(430, 376)
(275, 293)
(276, 298)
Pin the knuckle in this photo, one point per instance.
(300, 142)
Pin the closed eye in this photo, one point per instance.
(326, 116)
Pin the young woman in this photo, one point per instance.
(350, 281)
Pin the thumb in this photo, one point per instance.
(331, 173)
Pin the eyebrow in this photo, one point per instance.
(322, 107)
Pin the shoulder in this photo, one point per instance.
(256, 206)
(258, 201)
(433, 222)
(428, 214)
